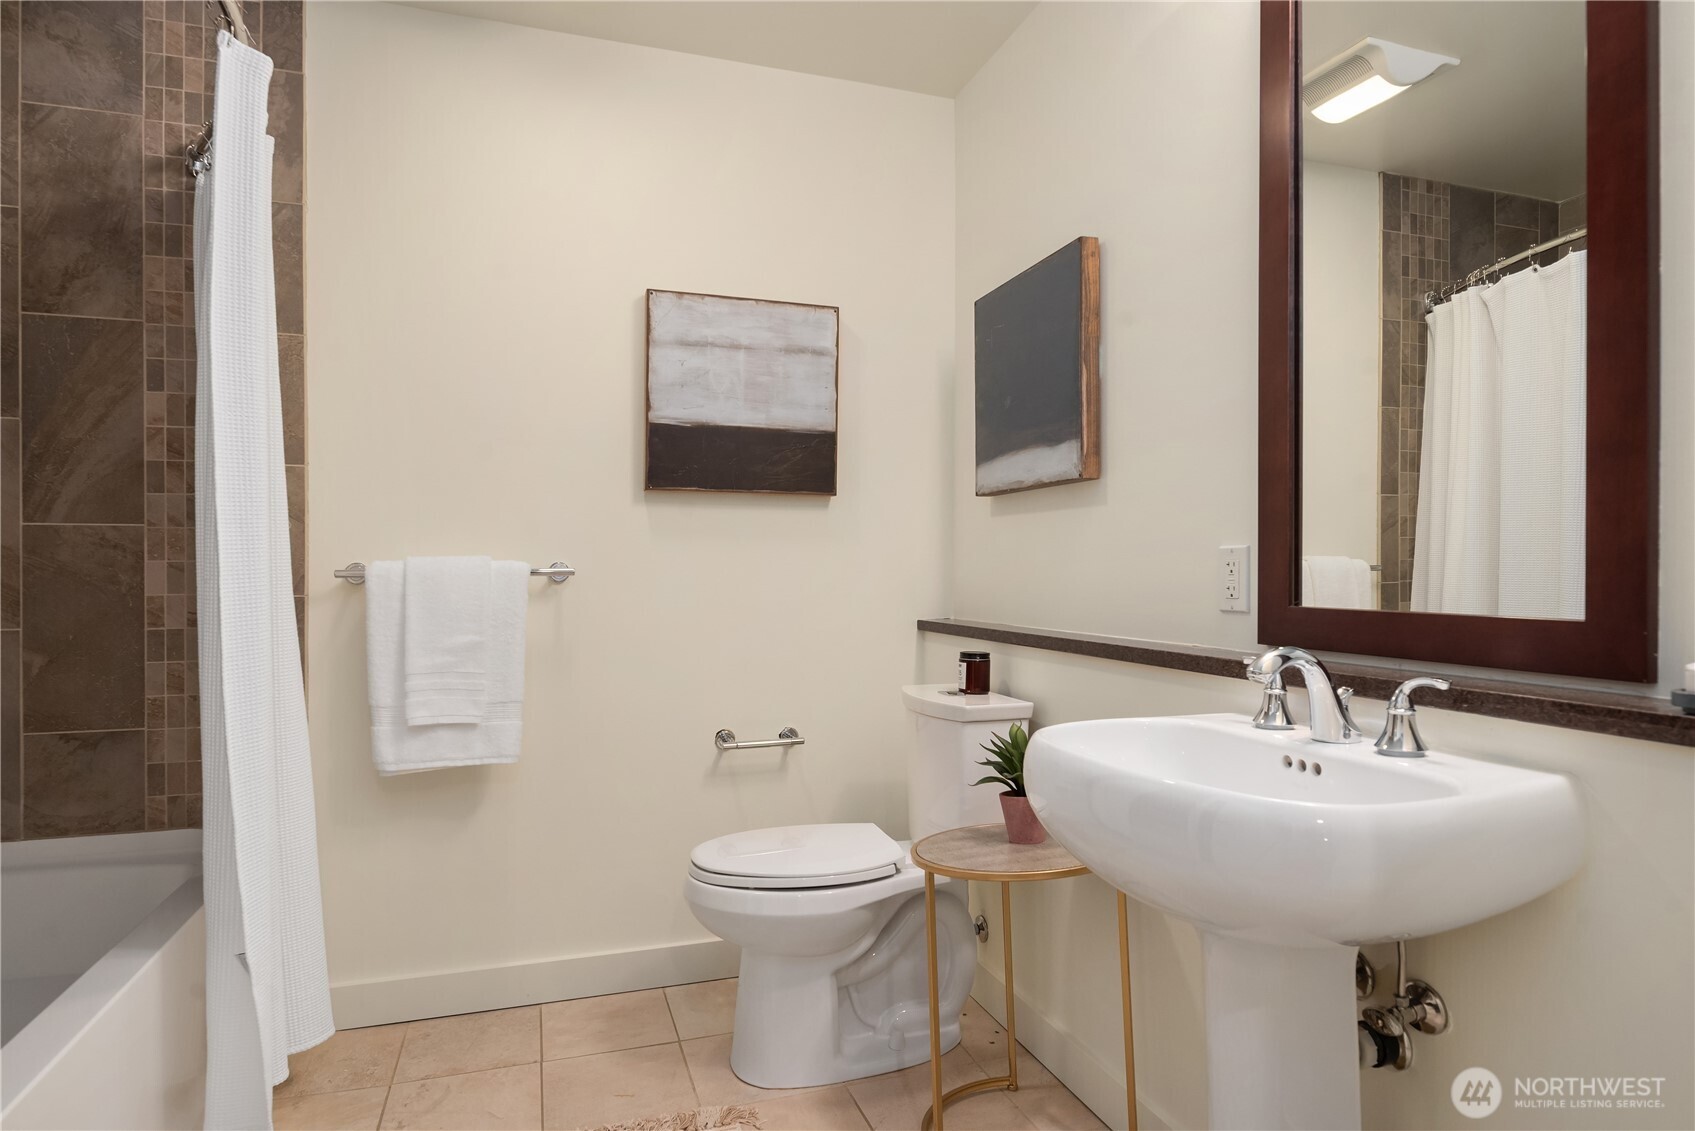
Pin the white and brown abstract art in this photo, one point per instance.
(741, 394)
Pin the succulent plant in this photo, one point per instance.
(1006, 758)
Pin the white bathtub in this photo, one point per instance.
(103, 1001)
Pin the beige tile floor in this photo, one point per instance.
(603, 1060)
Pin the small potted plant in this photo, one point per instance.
(1006, 759)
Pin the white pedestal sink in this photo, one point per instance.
(1288, 854)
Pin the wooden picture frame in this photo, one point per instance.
(1038, 389)
(1617, 637)
(741, 394)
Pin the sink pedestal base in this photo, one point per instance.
(1281, 1045)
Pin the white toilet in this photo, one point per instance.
(830, 918)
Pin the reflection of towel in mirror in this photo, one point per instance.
(1335, 583)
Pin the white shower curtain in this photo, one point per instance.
(267, 986)
(1500, 528)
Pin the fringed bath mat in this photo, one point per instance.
(735, 1117)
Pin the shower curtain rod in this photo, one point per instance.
(1442, 294)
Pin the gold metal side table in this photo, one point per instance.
(981, 852)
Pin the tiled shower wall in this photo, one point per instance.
(1433, 233)
(97, 376)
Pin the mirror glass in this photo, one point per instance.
(1442, 368)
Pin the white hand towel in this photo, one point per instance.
(446, 639)
(1335, 583)
(399, 748)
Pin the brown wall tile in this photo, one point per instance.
(11, 530)
(83, 644)
(83, 784)
(10, 337)
(1511, 239)
(83, 388)
(284, 30)
(287, 244)
(10, 19)
(105, 236)
(287, 125)
(1389, 364)
(11, 738)
(81, 218)
(1574, 213)
(1473, 242)
(291, 360)
(1517, 211)
(83, 54)
(297, 525)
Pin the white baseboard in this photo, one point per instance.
(387, 1000)
(1078, 1068)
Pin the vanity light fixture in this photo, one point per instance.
(1370, 72)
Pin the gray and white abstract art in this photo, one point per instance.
(1038, 374)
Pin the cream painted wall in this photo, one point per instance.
(495, 354)
(488, 205)
(1341, 283)
(1138, 123)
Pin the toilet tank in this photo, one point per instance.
(942, 763)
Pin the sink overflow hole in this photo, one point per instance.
(1301, 765)
(1288, 761)
(1317, 769)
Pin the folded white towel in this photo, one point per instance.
(446, 639)
(399, 748)
(1335, 583)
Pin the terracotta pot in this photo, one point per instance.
(1022, 827)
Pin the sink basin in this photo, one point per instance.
(1286, 870)
(1200, 817)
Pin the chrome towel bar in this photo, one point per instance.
(558, 573)
(788, 736)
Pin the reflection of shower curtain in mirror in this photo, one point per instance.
(1501, 475)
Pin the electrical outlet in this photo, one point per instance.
(1233, 579)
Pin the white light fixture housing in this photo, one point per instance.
(1370, 72)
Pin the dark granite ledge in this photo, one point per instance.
(1600, 712)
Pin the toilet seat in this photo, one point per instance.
(797, 857)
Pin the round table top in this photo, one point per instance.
(982, 852)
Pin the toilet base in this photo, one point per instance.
(799, 1026)
(795, 1055)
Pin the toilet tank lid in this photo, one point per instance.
(799, 851)
(943, 701)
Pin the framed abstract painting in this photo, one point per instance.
(1038, 341)
(741, 394)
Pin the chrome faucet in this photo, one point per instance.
(1400, 737)
(1330, 720)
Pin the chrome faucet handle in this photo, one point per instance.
(1274, 705)
(1344, 698)
(1400, 737)
(1402, 698)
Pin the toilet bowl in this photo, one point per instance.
(834, 975)
(830, 918)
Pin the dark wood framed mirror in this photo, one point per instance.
(1560, 575)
